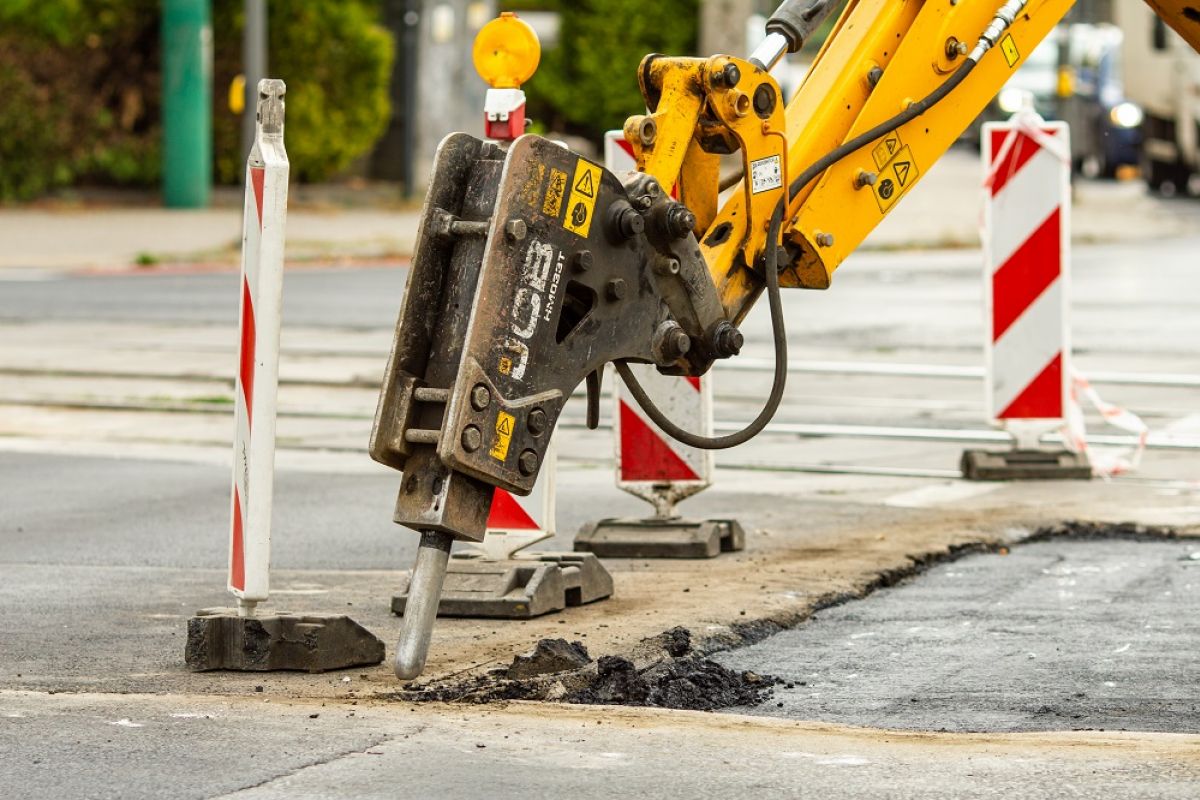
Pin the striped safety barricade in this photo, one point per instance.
(249, 638)
(1026, 249)
(654, 466)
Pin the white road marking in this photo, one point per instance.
(940, 494)
(28, 275)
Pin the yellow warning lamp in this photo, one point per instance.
(1065, 84)
(237, 94)
(506, 52)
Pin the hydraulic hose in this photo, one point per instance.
(1004, 17)
(779, 382)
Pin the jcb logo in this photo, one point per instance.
(541, 269)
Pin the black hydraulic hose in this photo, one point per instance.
(771, 268)
(903, 118)
(779, 332)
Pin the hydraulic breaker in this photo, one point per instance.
(534, 267)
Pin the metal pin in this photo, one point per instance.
(424, 594)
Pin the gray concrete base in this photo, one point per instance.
(1025, 465)
(220, 639)
(522, 587)
(661, 538)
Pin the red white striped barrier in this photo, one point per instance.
(515, 522)
(1026, 241)
(264, 221)
(651, 464)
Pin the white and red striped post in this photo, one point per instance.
(1026, 241)
(650, 464)
(264, 220)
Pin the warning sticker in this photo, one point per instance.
(894, 178)
(1008, 46)
(504, 432)
(582, 202)
(765, 174)
(531, 192)
(552, 205)
(883, 152)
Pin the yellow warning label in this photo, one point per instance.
(894, 178)
(504, 432)
(582, 201)
(531, 192)
(883, 152)
(1008, 46)
(552, 205)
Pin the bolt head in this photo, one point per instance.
(764, 100)
(824, 239)
(583, 260)
(481, 397)
(728, 340)
(630, 223)
(864, 178)
(680, 343)
(648, 131)
(515, 230)
(680, 221)
(537, 422)
(732, 75)
(472, 438)
(616, 287)
(527, 463)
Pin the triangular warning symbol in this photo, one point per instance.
(891, 145)
(585, 186)
(902, 168)
(504, 426)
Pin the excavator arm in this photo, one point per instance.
(536, 267)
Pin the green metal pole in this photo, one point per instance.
(187, 103)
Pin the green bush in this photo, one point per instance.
(336, 61)
(80, 89)
(588, 83)
(79, 82)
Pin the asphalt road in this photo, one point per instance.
(939, 311)
(104, 558)
(1058, 635)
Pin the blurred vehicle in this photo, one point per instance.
(1105, 124)
(1162, 73)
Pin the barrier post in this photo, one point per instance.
(247, 638)
(653, 466)
(1026, 249)
(264, 222)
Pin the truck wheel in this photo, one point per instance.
(1163, 178)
